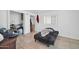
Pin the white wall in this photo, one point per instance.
(3, 19)
(67, 23)
(26, 23)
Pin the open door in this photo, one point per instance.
(32, 23)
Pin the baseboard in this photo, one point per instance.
(69, 37)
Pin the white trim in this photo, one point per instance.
(74, 38)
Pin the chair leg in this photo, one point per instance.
(53, 43)
(35, 40)
(47, 45)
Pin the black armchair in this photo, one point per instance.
(48, 39)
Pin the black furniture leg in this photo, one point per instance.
(47, 45)
(53, 43)
(35, 40)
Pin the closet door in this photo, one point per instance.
(15, 18)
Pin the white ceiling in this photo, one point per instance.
(40, 11)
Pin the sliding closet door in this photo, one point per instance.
(26, 23)
(15, 18)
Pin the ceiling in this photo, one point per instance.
(39, 11)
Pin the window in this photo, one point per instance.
(47, 20)
(51, 21)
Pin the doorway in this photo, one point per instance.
(32, 23)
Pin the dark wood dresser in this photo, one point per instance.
(8, 43)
